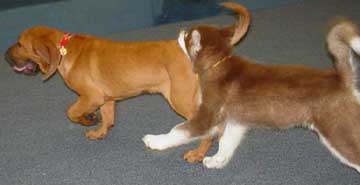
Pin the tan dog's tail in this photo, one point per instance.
(243, 23)
(343, 40)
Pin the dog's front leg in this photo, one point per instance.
(83, 110)
(229, 140)
(201, 125)
(107, 114)
(177, 136)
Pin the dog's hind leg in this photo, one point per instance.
(181, 88)
(342, 139)
(182, 98)
(107, 114)
(198, 154)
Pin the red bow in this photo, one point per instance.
(65, 39)
(63, 43)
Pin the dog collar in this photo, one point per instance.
(220, 61)
(64, 41)
(215, 65)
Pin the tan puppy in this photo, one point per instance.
(102, 71)
(238, 94)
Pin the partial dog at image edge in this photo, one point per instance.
(237, 94)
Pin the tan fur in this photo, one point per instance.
(102, 71)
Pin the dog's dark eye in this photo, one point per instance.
(19, 45)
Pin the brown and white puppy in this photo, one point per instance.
(102, 71)
(237, 94)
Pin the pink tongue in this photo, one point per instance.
(19, 69)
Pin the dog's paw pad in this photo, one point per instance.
(215, 162)
(155, 142)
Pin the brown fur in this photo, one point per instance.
(102, 71)
(280, 96)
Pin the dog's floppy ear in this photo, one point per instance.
(49, 57)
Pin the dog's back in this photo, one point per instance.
(277, 96)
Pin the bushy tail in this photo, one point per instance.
(242, 25)
(343, 40)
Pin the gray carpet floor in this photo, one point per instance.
(40, 146)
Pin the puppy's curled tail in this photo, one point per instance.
(243, 23)
(343, 40)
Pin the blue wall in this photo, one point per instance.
(107, 16)
(86, 16)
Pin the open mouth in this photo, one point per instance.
(29, 68)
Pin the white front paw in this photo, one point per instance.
(216, 161)
(358, 169)
(155, 142)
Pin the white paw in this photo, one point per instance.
(216, 161)
(156, 142)
(358, 169)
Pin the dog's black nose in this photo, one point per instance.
(8, 59)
